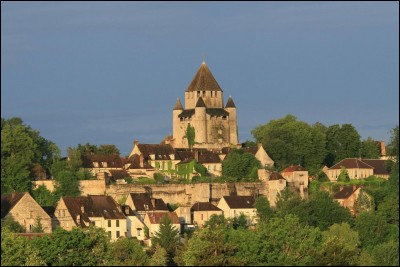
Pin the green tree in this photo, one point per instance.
(67, 185)
(74, 159)
(128, 252)
(18, 251)
(343, 176)
(198, 167)
(239, 165)
(167, 237)
(264, 210)
(349, 140)
(393, 146)
(369, 149)
(386, 254)
(108, 149)
(87, 149)
(190, 135)
(38, 226)
(12, 226)
(313, 161)
(160, 257)
(340, 246)
(332, 144)
(363, 203)
(43, 196)
(288, 141)
(78, 247)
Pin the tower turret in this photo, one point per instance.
(176, 132)
(233, 132)
(200, 124)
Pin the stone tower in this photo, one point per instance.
(215, 126)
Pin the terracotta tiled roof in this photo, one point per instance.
(293, 168)
(203, 80)
(155, 217)
(379, 165)
(143, 202)
(351, 163)
(113, 161)
(240, 202)
(8, 201)
(161, 152)
(204, 206)
(345, 192)
(200, 103)
(276, 176)
(230, 103)
(178, 105)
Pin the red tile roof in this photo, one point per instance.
(155, 217)
(293, 168)
(379, 165)
(351, 163)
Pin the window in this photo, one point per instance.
(30, 228)
(139, 232)
(117, 234)
(109, 223)
(211, 93)
(93, 223)
(201, 216)
(117, 223)
(198, 93)
(204, 93)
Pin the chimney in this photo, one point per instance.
(82, 209)
(141, 160)
(196, 155)
(153, 202)
(135, 142)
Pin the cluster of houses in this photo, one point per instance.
(138, 217)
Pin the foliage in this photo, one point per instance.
(122, 200)
(105, 149)
(159, 258)
(239, 165)
(108, 149)
(128, 180)
(386, 254)
(249, 143)
(167, 237)
(340, 246)
(264, 210)
(190, 135)
(172, 206)
(66, 185)
(18, 251)
(38, 226)
(198, 167)
(43, 196)
(369, 149)
(128, 252)
(77, 247)
(363, 203)
(10, 225)
(343, 176)
(393, 146)
(145, 180)
(158, 177)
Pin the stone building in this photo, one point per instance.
(201, 212)
(22, 208)
(215, 125)
(234, 206)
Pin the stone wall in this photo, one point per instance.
(87, 187)
(188, 194)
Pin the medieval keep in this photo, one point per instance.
(215, 125)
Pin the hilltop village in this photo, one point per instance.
(180, 178)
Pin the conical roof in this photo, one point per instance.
(200, 103)
(203, 80)
(178, 105)
(230, 103)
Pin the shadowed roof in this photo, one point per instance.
(230, 103)
(379, 165)
(204, 206)
(113, 161)
(161, 152)
(240, 202)
(345, 192)
(178, 105)
(143, 202)
(293, 168)
(8, 201)
(200, 103)
(203, 80)
(276, 176)
(134, 161)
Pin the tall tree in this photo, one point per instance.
(264, 210)
(240, 165)
(369, 149)
(332, 144)
(167, 237)
(108, 149)
(350, 142)
(128, 252)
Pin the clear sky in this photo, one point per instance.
(110, 72)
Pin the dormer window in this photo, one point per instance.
(211, 93)
(105, 164)
(198, 93)
(96, 164)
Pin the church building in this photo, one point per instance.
(215, 125)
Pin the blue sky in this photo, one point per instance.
(110, 72)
